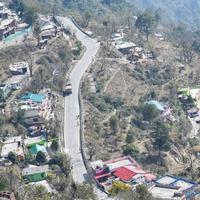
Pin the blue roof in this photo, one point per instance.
(36, 148)
(33, 97)
(157, 104)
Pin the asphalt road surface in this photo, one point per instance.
(71, 122)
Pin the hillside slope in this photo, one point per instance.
(184, 11)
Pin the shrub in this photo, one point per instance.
(54, 145)
(40, 157)
(12, 157)
(130, 136)
(149, 112)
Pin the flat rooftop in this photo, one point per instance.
(19, 65)
(120, 162)
(164, 193)
(5, 22)
(125, 45)
(34, 140)
(175, 181)
(35, 170)
(16, 79)
(11, 147)
(13, 139)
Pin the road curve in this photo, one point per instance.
(71, 108)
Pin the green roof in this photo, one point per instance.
(35, 177)
(184, 91)
(36, 148)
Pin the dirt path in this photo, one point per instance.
(195, 128)
(110, 80)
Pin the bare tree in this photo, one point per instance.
(37, 32)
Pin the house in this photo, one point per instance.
(165, 111)
(19, 68)
(48, 34)
(7, 195)
(7, 28)
(157, 104)
(35, 148)
(166, 192)
(117, 37)
(124, 169)
(132, 174)
(13, 144)
(35, 173)
(187, 187)
(6, 90)
(124, 47)
(183, 92)
(159, 36)
(32, 117)
(17, 82)
(30, 141)
(35, 98)
(8, 22)
(42, 43)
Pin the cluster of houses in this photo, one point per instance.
(48, 29)
(190, 99)
(132, 52)
(36, 110)
(165, 110)
(19, 76)
(28, 146)
(129, 172)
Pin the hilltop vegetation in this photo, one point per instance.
(176, 11)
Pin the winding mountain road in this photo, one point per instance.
(71, 108)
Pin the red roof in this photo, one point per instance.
(124, 173)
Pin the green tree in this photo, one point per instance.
(2, 98)
(19, 116)
(40, 157)
(114, 124)
(63, 162)
(149, 112)
(87, 17)
(118, 187)
(12, 157)
(131, 150)
(130, 136)
(83, 191)
(146, 23)
(3, 183)
(161, 136)
(30, 13)
(142, 193)
(54, 145)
